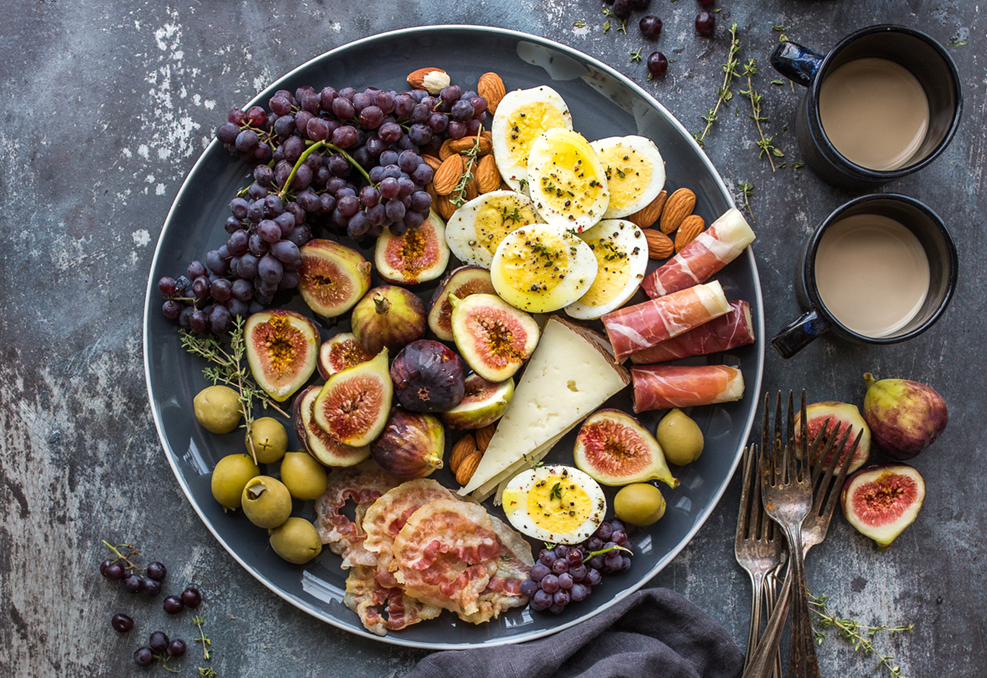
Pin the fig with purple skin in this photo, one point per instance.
(411, 445)
(332, 277)
(316, 440)
(281, 348)
(390, 317)
(428, 377)
(881, 501)
(421, 254)
(483, 403)
(904, 416)
(614, 449)
(839, 416)
(353, 405)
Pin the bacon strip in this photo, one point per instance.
(712, 249)
(722, 334)
(660, 387)
(634, 328)
(504, 588)
(371, 601)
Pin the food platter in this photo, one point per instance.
(603, 104)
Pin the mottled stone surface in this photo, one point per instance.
(105, 107)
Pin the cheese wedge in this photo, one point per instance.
(567, 378)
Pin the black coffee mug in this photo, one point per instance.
(918, 53)
(939, 250)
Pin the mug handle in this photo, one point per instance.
(799, 334)
(797, 63)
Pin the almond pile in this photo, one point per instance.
(677, 225)
(468, 451)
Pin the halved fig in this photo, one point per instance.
(353, 405)
(390, 317)
(881, 501)
(493, 337)
(282, 349)
(332, 277)
(316, 440)
(340, 352)
(462, 282)
(428, 377)
(484, 403)
(840, 416)
(614, 449)
(411, 445)
(421, 254)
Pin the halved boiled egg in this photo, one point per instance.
(540, 269)
(635, 173)
(521, 117)
(556, 504)
(566, 180)
(475, 230)
(622, 261)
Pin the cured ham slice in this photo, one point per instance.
(712, 249)
(380, 608)
(634, 328)
(659, 387)
(503, 591)
(362, 484)
(722, 334)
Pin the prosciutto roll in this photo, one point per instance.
(712, 249)
(722, 334)
(635, 328)
(661, 387)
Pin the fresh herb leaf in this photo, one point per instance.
(855, 633)
(556, 492)
(636, 56)
(580, 24)
(723, 93)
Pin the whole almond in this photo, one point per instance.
(432, 161)
(660, 246)
(491, 88)
(483, 436)
(488, 135)
(445, 150)
(448, 174)
(471, 190)
(690, 227)
(463, 448)
(487, 176)
(467, 143)
(678, 206)
(645, 218)
(468, 467)
(444, 207)
(430, 189)
(431, 79)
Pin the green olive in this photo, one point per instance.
(269, 438)
(230, 477)
(304, 477)
(266, 502)
(297, 541)
(680, 438)
(640, 504)
(217, 409)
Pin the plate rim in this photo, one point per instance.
(392, 639)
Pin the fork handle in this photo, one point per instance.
(763, 660)
(802, 661)
(757, 584)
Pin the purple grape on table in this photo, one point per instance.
(134, 583)
(159, 642)
(151, 588)
(177, 648)
(144, 656)
(705, 23)
(173, 605)
(122, 622)
(191, 597)
(650, 26)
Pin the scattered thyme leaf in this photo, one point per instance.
(778, 28)
(782, 38)
(556, 492)
(606, 25)
(580, 24)
(747, 190)
(798, 165)
(777, 82)
(636, 56)
(855, 633)
(206, 672)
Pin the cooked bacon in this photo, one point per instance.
(371, 601)
(712, 249)
(659, 387)
(363, 484)
(634, 328)
(722, 334)
(503, 591)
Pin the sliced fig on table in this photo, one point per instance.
(316, 440)
(421, 254)
(493, 337)
(905, 416)
(835, 415)
(614, 449)
(462, 282)
(881, 501)
(411, 445)
(282, 349)
(428, 376)
(340, 352)
(332, 277)
(483, 403)
(353, 405)
(388, 317)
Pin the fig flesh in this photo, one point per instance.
(614, 449)
(483, 403)
(881, 501)
(904, 416)
(353, 405)
(316, 440)
(428, 377)
(332, 277)
(462, 282)
(388, 317)
(340, 352)
(493, 337)
(411, 445)
(835, 415)
(282, 351)
(421, 254)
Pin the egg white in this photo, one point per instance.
(567, 181)
(591, 507)
(621, 252)
(521, 117)
(635, 173)
(474, 231)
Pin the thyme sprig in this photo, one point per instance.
(724, 93)
(206, 643)
(470, 156)
(621, 26)
(747, 190)
(859, 635)
(765, 143)
(206, 672)
(636, 56)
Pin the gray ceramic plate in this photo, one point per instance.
(603, 104)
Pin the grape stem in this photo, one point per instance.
(315, 147)
(602, 551)
(125, 558)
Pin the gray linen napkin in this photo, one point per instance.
(652, 633)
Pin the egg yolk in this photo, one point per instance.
(526, 123)
(628, 172)
(568, 183)
(537, 263)
(612, 273)
(499, 217)
(558, 505)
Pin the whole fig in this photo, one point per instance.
(428, 377)
(390, 317)
(411, 445)
(904, 416)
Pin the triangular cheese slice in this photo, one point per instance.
(567, 378)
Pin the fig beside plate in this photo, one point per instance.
(881, 501)
(904, 416)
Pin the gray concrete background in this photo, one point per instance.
(106, 105)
